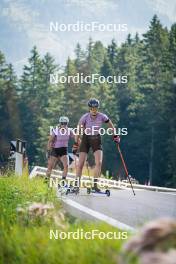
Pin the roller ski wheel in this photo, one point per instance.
(75, 190)
(98, 191)
(108, 193)
(88, 190)
(67, 191)
(46, 179)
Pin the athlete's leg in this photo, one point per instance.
(51, 164)
(64, 160)
(98, 154)
(82, 158)
(83, 150)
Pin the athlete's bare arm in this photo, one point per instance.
(50, 142)
(111, 125)
(77, 137)
(116, 138)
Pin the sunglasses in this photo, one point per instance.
(63, 123)
(93, 108)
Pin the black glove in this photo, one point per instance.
(75, 148)
(116, 139)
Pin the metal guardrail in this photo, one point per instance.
(41, 171)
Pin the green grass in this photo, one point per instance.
(26, 240)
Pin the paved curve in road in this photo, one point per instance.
(123, 206)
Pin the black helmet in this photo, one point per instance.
(93, 102)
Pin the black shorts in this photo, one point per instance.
(59, 152)
(88, 142)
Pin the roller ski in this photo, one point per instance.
(71, 189)
(66, 189)
(98, 191)
(95, 189)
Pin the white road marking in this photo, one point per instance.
(100, 216)
(168, 193)
(143, 190)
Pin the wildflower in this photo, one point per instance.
(152, 234)
(155, 243)
(39, 209)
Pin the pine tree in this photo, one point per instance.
(80, 57)
(10, 128)
(112, 52)
(31, 90)
(155, 80)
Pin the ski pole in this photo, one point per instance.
(125, 167)
(88, 171)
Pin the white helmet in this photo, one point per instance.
(63, 119)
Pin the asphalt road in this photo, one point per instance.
(123, 206)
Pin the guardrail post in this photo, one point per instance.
(19, 155)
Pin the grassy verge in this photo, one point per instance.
(25, 234)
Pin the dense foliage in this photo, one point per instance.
(25, 234)
(145, 104)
